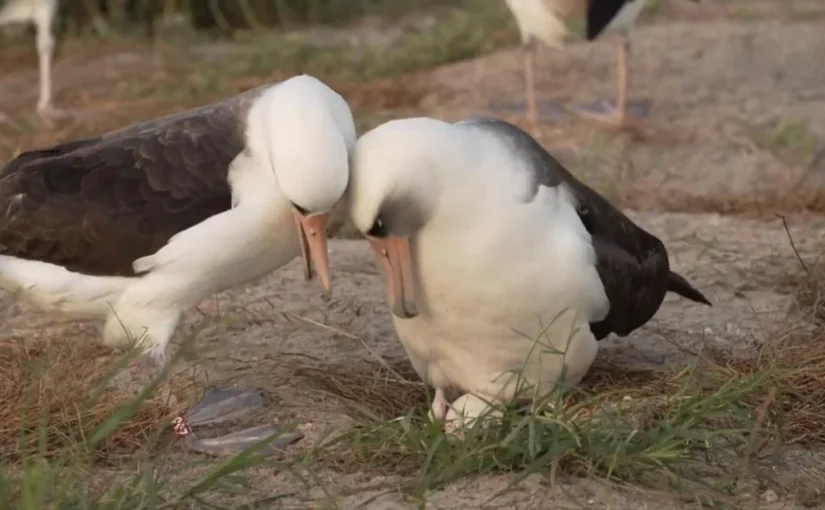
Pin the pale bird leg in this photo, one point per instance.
(623, 77)
(530, 82)
(440, 405)
(616, 115)
(45, 53)
(45, 56)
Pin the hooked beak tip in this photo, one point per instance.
(394, 257)
(400, 310)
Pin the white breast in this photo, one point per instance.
(493, 278)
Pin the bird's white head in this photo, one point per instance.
(306, 133)
(394, 190)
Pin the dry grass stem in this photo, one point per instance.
(49, 391)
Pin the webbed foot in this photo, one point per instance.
(223, 405)
(607, 112)
(236, 442)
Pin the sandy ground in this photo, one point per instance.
(260, 337)
(715, 85)
(715, 89)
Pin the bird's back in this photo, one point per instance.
(95, 205)
(632, 263)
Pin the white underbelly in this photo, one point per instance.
(487, 308)
(493, 360)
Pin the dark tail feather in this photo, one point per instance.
(676, 283)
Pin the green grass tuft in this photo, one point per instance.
(684, 440)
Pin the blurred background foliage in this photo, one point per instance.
(226, 16)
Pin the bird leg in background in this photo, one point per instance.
(614, 114)
(45, 56)
(550, 110)
(623, 76)
(530, 81)
(45, 51)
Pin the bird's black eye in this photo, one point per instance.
(378, 228)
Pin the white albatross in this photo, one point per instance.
(41, 14)
(141, 224)
(497, 259)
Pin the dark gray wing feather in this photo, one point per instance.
(96, 205)
(632, 263)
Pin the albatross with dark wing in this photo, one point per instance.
(554, 21)
(497, 259)
(41, 13)
(140, 224)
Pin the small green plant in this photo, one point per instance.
(791, 137)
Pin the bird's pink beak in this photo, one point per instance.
(312, 236)
(396, 261)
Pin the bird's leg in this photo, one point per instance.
(45, 55)
(440, 405)
(615, 114)
(623, 78)
(530, 81)
(45, 52)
